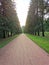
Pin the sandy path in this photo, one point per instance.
(22, 51)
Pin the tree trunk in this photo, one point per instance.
(42, 29)
(11, 33)
(35, 32)
(8, 34)
(4, 36)
(38, 33)
(42, 23)
(42, 18)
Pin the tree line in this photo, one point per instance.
(9, 22)
(37, 19)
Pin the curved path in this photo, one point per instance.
(22, 51)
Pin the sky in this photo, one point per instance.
(22, 7)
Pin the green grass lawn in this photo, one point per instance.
(4, 42)
(43, 42)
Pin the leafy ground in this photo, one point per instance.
(4, 42)
(43, 42)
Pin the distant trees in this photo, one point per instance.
(9, 22)
(35, 20)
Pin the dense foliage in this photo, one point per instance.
(9, 23)
(36, 20)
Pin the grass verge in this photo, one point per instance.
(43, 42)
(4, 42)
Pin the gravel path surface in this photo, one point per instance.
(23, 51)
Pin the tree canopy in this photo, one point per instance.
(35, 22)
(9, 22)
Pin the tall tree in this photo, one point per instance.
(9, 18)
(35, 19)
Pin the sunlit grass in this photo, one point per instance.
(43, 42)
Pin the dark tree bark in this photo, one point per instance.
(4, 36)
(42, 29)
(8, 34)
(38, 33)
(11, 33)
